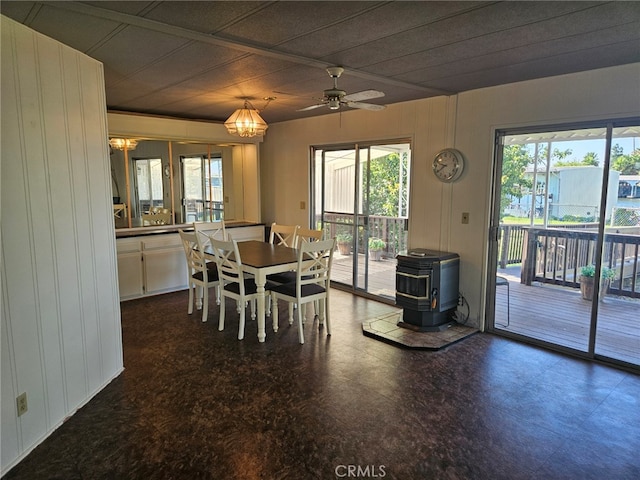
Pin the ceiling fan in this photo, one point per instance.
(335, 97)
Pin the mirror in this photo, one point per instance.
(168, 182)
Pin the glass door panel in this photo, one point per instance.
(202, 188)
(361, 198)
(617, 326)
(148, 184)
(339, 194)
(562, 226)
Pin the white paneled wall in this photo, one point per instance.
(61, 335)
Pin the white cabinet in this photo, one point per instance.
(129, 268)
(165, 266)
(150, 264)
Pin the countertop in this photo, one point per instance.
(160, 229)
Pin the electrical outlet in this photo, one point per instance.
(21, 403)
(465, 217)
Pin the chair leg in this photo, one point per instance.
(218, 294)
(253, 309)
(191, 293)
(241, 324)
(205, 304)
(291, 313)
(198, 297)
(320, 311)
(300, 324)
(274, 310)
(222, 312)
(325, 310)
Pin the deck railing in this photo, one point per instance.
(392, 230)
(556, 255)
(511, 241)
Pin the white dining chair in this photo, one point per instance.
(202, 275)
(303, 235)
(235, 285)
(213, 229)
(283, 234)
(313, 276)
(286, 235)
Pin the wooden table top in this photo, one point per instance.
(262, 254)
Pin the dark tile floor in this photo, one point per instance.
(195, 403)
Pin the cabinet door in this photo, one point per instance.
(130, 275)
(164, 270)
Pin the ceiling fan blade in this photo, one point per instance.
(364, 95)
(365, 106)
(311, 107)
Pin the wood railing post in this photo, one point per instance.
(504, 247)
(528, 271)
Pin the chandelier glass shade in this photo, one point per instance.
(246, 122)
(123, 143)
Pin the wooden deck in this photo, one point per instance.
(548, 313)
(560, 315)
(382, 274)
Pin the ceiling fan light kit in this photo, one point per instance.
(335, 97)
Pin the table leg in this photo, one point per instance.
(261, 280)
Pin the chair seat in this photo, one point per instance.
(212, 274)
(284, 277)
(289, 289)
(249, 287)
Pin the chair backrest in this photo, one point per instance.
(314, 262)
(228, 261)
(284, 234)
(308, 235)
(210, 230)
(157, 210)
(156, 219)
(193, 250)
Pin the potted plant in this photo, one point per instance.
(587, 275)
(376, 246)
(344, 241)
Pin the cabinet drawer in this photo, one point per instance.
(128, 245)
(162, 242)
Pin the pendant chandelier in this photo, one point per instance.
(123, 143)
(246, 122)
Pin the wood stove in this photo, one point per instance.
(427, 288)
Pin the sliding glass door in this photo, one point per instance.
(566, 237)
(361, 198)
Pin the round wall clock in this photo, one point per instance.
(448, 165)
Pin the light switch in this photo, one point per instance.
(303, 205)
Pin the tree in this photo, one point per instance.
(626, 164)
(384, 185)
(515, 159)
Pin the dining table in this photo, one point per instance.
(261, 259)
